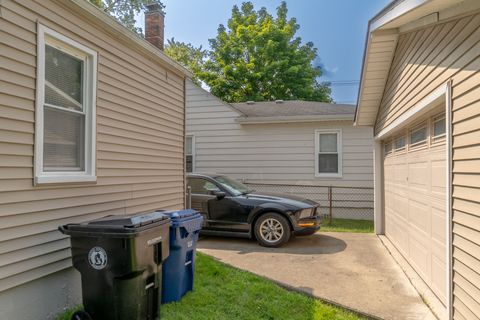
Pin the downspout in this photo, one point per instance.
(449, 194)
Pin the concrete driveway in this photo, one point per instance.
(352, 270)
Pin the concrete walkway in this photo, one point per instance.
(353, 270)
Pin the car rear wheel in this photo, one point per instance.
(272, 230)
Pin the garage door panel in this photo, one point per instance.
(418, 214)
(438, 178)
(396, 230)
(415, 216)
(439, 226)
(418, 175)
(419, 257)
(401, 206)
(400, 173)
(439, 279)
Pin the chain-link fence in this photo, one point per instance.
(335, 202)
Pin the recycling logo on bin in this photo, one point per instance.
(97, 257)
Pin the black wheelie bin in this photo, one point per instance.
(120, 262)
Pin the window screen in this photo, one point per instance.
(63, 79)
(64, 119)
(64, 143)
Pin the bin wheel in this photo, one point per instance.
(81, 315)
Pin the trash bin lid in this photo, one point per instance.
(179, 214)
(117, 224)
(129, 221)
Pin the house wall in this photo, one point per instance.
(281, 153)
(424, 60)
(140, 147)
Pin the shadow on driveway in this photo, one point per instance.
(316, 244)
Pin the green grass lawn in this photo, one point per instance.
(347, 225)
(222, 292)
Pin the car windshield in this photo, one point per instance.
(235, 187)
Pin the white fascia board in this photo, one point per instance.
(399, 10)
(284, 119)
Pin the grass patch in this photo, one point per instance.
(347, 225)
(222, 292)
(67, 315)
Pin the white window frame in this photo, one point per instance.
(48, 36)
(422, 143)
(405, 143)
(193, 152)
(338, 132)
(440, 137)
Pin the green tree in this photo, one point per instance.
(258, 57)
(125, 10)
(187, 55)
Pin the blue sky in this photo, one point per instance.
(336, 27)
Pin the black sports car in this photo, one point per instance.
(231, 209)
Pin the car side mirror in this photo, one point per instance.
(219, 194)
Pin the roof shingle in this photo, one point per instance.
(293, 108)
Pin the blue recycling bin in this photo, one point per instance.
(179, 268)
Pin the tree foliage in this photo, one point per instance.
(125, 10)
(258, 57)
(187, 55)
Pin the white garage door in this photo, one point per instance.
(415, 214)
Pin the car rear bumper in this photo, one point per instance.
(307, 226)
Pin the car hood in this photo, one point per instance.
(289, 199)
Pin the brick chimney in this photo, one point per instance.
(154, 25)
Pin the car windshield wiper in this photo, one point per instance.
(247, 192)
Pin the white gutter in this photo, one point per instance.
(129, 35)
(284, 119)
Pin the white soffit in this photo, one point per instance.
(376, 66)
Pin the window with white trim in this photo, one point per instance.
(418, 135)
(189, 153)
(328, 153)
(400, 143)
(65, 109)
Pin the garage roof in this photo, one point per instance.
(381, 41)
(293, 110)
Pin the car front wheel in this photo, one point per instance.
(272, 230)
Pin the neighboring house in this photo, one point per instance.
(420, 90)
(91, 124)
(282, 146)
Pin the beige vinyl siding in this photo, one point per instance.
(448, 51)
(140, 129)
(270, 153)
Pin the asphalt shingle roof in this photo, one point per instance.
(293, 108)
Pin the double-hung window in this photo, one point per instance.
(65, 110)
(328, 153)
(190, 153)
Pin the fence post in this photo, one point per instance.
(189, 197)
(330, 205)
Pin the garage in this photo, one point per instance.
(415, 196)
